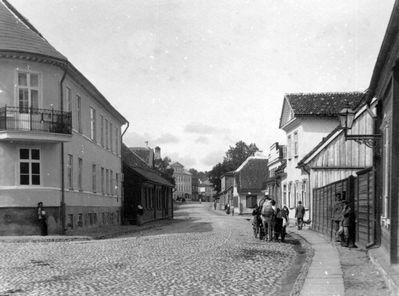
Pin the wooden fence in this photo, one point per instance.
(359, 191)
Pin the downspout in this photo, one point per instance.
(307, 170)
(62, 204)
(123, 208)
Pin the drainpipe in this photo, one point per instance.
(62, 204)
(307, 170)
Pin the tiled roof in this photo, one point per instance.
(135, 163)
(143, 152)
(252, 174)
(322, 104)
(17, 34)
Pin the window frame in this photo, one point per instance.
(29, 161)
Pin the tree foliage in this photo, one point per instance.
(234, 157)
(164, 169)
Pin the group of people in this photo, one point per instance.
(270, 221)
(344, 222)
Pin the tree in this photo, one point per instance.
(235, 156)
(200, 175)
(162, 166)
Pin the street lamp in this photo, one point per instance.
(346, 118)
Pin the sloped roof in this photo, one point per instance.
(17, 34)
(251, 175)
(327, 104)
(143, 152)
(135, 163)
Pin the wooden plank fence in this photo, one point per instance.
(360, 193)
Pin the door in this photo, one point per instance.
(28, 99)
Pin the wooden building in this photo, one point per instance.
(384, 92)
(345, 167)
(144, 186)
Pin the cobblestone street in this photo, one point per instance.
(204, 252)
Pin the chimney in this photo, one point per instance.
(157, 153)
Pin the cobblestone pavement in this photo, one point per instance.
(204, 253)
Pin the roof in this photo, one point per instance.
(17, 34)
(251, 175)
(18, 37)
(327, 104)
(135, 163)
(143, 152)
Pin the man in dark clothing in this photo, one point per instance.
(348, 222)
(337, 216)
(299, 214)
(41, 216)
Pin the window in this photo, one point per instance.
(80, 174)
(117, 184)
(116, 140)
(111, 142)
(289, 148)
(111, 182)
(93, 124)
(79, 113)
(102, 130)
(291, 202)
(29, 166)
(70, 221)
(27, 91)
(284, 195)
(94, 177)
(68, 100)
(102, 181)
(106, 135)
(251, 201)
(107, 181)
(80, 220)
(70, 171)
(296, 144)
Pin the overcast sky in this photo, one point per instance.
(195, 77)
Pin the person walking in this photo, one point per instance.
(214, 204)
(284, 213)
(140, 213)
(299, 214)
(41, 216)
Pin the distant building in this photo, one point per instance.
(183, 181)
(144, 186)
(206, 190)
(276, 160)
(249, 179)
(226, 190)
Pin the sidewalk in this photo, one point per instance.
(87, 234)
(336, 270)
(325, 275)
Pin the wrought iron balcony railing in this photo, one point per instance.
(34, 119)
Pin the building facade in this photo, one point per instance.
(183, 182)
(60, 138)
(143, 186)
(249, 180)
(306, 119)
(276, 159)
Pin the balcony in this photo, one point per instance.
(48, 125)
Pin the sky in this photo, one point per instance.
(196, 76)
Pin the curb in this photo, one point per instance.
(300, 280)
